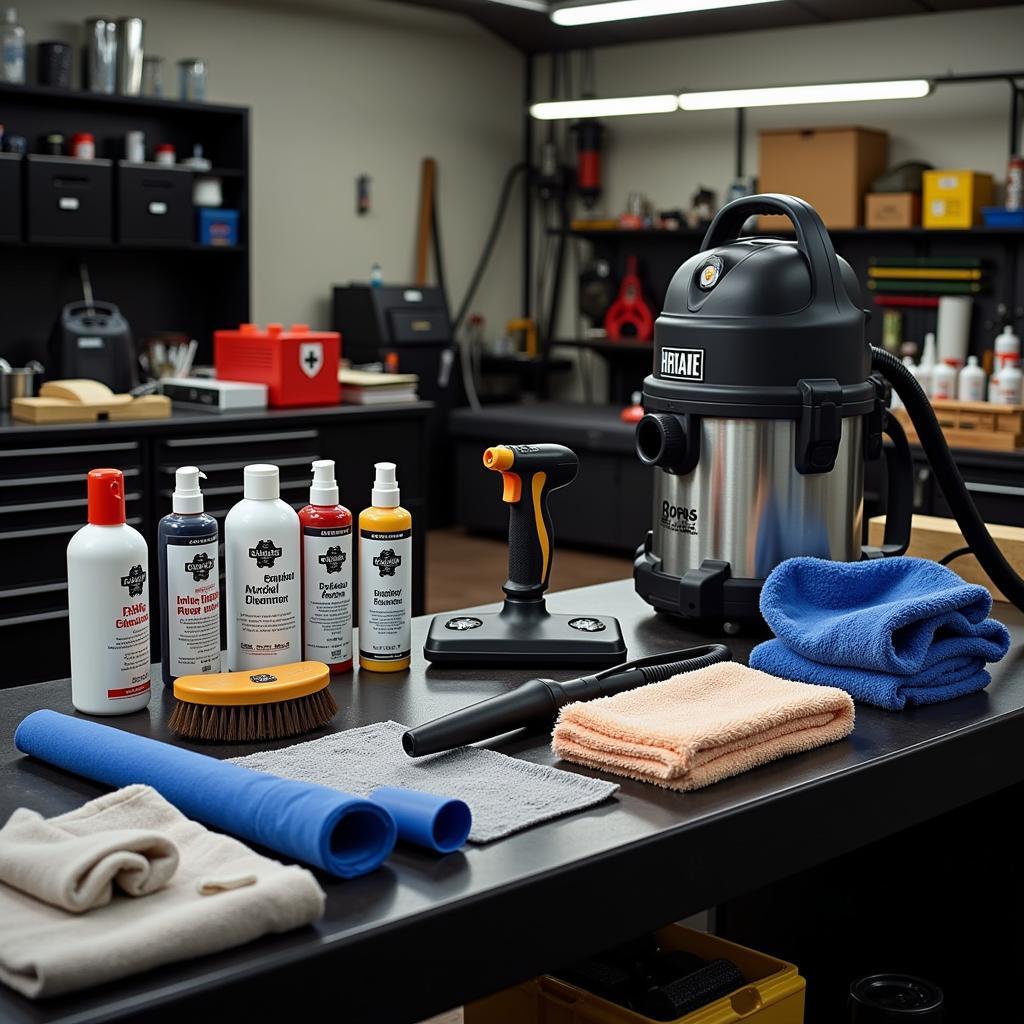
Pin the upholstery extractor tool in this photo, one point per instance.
(524, 631)
(536, 702)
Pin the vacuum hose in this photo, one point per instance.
(940, 458)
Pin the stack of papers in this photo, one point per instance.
(360, 387)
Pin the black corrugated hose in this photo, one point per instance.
(933, 442)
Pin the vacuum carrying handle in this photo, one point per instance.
(811, 236)
(530, 473)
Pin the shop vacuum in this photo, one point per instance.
(764, 403)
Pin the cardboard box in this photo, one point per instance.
(953, 199)
(831, 168)
(892, 209)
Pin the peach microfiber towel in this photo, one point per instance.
(701, 727)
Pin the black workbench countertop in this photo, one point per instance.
(184, 420)
(425, 933)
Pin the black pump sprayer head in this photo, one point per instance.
(537, 701)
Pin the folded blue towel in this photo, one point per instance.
(889, 631)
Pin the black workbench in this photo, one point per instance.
(425, 933)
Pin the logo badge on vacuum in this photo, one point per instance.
(709, 273)
(682, 364)
(587, 625)
(463, 622)
(311, 357)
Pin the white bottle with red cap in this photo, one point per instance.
(108, 605)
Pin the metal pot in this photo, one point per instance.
(18, 381)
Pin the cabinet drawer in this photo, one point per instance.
(154, 204)
(69, 200)
(10, 196)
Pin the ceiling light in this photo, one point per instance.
(541, 6)
(557, 110)
(839, 92)
(621, 10)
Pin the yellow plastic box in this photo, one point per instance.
(774, 993)
(953, 199)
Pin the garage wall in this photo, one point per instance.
(358, 87)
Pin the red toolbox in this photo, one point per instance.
(299, 366)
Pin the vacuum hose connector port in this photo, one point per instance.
(668, 441)
(660, 440)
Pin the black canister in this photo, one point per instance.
(53, 64)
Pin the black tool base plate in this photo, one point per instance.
(492, 639)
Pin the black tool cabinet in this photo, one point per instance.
(43, 500)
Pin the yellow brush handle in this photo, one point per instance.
(258, 686)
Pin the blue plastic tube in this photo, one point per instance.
(342, 834)
(439, 823)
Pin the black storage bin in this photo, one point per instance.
(69, 200)
(10, 197)
(154, 204)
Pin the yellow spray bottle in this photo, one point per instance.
(385, 577)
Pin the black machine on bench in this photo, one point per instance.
(524, 631)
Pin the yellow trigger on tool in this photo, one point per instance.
(513, 487)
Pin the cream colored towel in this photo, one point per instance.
(701, 727)
(79, 872)
(222, 895)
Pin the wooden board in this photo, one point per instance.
(981, 425)
(62, 410)
(933, 537)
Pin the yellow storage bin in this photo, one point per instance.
(953, 199)
(774, 993)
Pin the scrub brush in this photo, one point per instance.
(244, 707)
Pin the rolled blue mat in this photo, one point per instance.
(343, 834)
(439, 823)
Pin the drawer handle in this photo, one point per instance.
(1005, 489)
(157, 208)
(68, 203)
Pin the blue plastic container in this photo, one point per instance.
(218, 226)
(1000, 217)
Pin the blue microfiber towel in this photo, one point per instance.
(343, 834)
(889, 631)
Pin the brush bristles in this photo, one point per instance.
(250, 723)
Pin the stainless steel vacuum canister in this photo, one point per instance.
(760, 411)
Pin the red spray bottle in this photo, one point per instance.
(326, 573)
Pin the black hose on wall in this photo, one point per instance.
(933, 442)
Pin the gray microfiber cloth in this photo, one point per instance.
(505, 794)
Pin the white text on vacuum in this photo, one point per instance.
(682, 363)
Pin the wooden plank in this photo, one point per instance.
(934, 537)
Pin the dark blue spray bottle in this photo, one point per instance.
(189, 565)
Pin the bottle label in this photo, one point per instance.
(385, 572)
(127, 646)
(268, 600)
(327, 577)
(192, 605)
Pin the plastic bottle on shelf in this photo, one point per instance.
(926, 367)
(944, 380)
(970, 385)
(12, 49)
(1009, 386)
(1007, 353)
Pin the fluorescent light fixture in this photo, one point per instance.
(541, 6)
(621, 10)
(838, 92)
(557, 110)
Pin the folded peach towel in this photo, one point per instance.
(701, 727)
